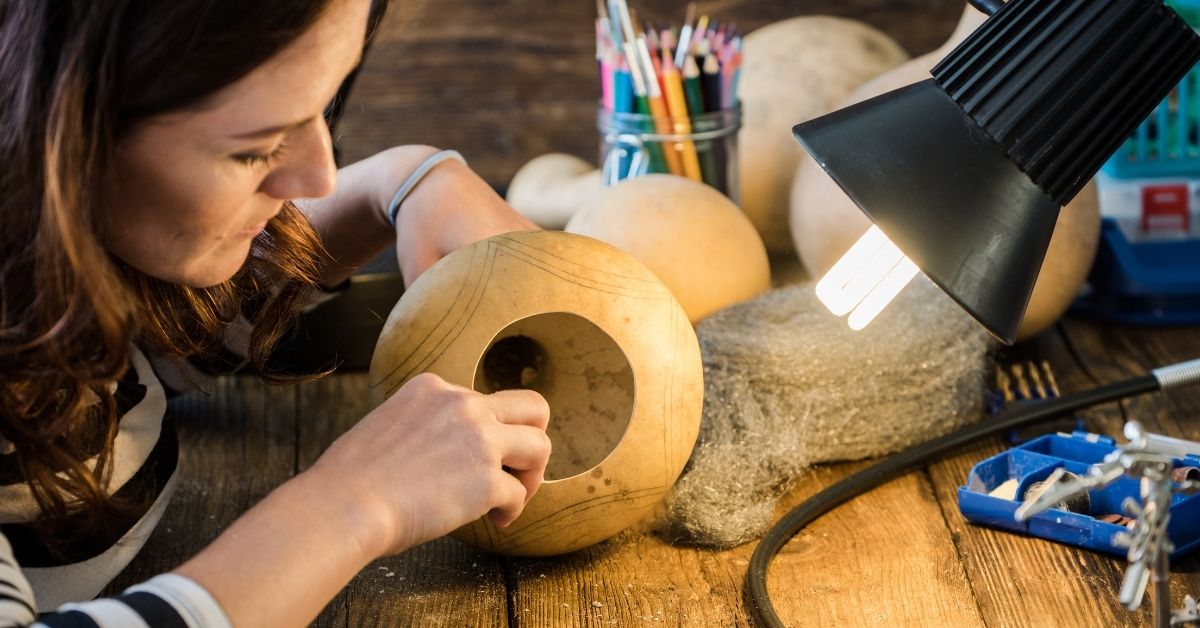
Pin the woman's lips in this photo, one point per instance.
(253, 230)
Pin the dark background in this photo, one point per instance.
(504, 81)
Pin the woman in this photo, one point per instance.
(152, 152)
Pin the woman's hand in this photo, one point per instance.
(430, 459)
(434, 457)
(451, 208)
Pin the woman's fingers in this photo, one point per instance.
(521, 407)
(526, 451)
(510, 497)
(523, 415)
(523, 448)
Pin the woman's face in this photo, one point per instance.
(191, 190)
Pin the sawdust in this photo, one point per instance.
(788, 385)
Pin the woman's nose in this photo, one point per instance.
(307, 169)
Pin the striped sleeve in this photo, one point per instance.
(167, 601)
(17, 607)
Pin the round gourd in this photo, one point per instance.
(549, 189)
(796, 70)
(596, 334)
(1068, 261)
(825, 222)
(689, 235)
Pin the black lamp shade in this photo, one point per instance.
(944, 193)
(966, 172)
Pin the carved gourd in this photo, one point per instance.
(596, 334)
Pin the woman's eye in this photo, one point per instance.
(260, 159)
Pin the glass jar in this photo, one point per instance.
(630, 147)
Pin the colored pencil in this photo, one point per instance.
(695, 102)
(658, 108)
(691, 87)
(710, 78)
(623, 94)
(626, 22)
(685, 36)
(668, 41)
(727, 95)
(641, 91)
(681, 122)
(607, 81)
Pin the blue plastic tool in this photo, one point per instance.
(1035, 460)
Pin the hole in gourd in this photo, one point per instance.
(582, 373)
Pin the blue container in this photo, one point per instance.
(1035, 461)
(1144, 283)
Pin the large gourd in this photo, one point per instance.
(825, 222)
(689, 235)
(596, 334)
(796, 70)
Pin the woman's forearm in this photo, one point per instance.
(351, 221)
(281, 562)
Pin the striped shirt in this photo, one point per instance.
(61, 584)
(40, 587)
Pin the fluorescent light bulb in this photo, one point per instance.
(866, 279)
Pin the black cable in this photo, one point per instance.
(896, 465)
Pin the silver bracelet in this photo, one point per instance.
(413, 179)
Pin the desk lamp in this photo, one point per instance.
(964, 174)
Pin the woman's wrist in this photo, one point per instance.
(398, 164)
(423, 171)
(364, 521)
(284, 559)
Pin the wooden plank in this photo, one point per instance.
(635, 578)
(1119, 352)
(884, 558)
(442, 583)
(236, 444)
(506, 82)
(835, 573)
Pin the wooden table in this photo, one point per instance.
(901, 554)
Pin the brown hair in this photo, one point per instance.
(75, 77)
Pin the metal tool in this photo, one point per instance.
(1149, 546)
